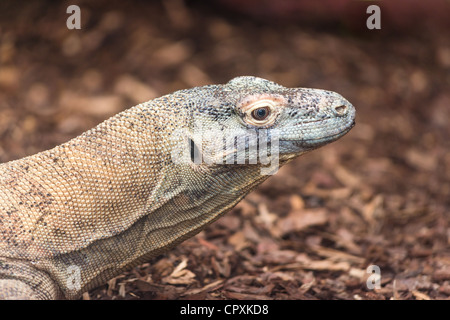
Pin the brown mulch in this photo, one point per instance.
(379, 196)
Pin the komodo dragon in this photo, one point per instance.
(141, 182)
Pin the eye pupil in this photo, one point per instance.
(260, 113)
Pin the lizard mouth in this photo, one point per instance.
(313, 143)
(329, 138)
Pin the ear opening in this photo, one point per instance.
(196, 154)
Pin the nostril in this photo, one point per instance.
(341, 109)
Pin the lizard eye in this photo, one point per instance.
(260, 114)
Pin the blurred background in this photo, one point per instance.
(379, 196)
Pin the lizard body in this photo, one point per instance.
(75, 216)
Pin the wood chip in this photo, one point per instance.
(238, 240)
(86, 296)
(98, 106)
(245, 296)
(180, 275)
(298, 220)
(135, 90)
(122, 290)
(9, 77)
(209, 287)
(297, 203)
(420, 295)
(173, 53)
(346, 177)
(421, 159)
(337, 255)
(373, 210)
(328, 265)
(207, 244)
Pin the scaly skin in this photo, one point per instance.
(73, 217)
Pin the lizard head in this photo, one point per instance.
(303, 119)
(250, 118)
